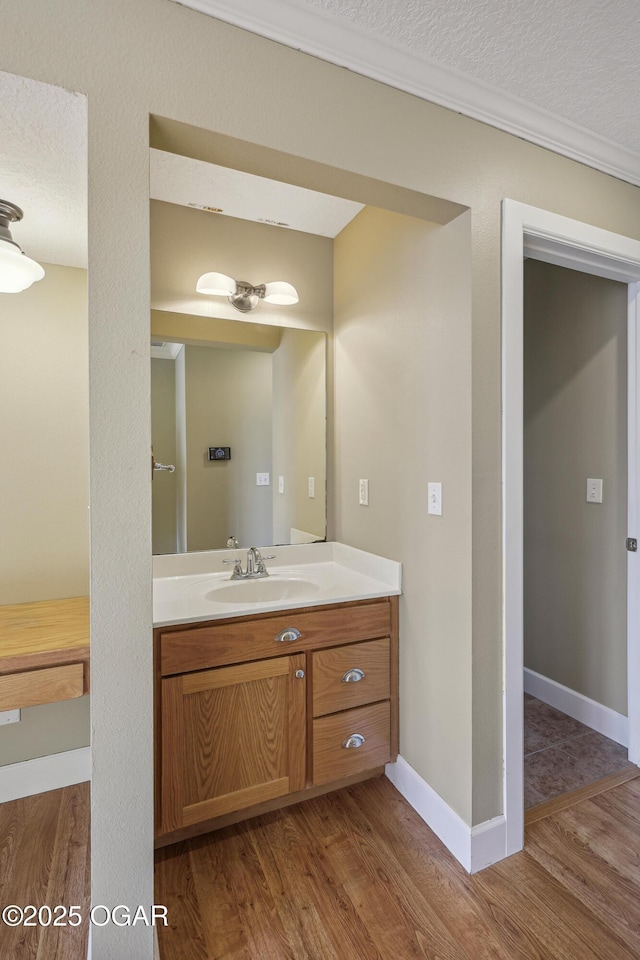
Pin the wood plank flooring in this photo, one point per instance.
(357, 875)
(44, 860)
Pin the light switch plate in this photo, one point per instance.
(312, 487)
(262, 479)
(363, 493)
(434, 494)
(594, 491)
(280, 484)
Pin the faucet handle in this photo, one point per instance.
(237, 568)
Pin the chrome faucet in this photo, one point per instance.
(256, 568)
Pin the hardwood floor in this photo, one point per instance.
(357, 875)
(44, 860)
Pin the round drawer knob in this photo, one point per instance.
(300, 674)
(288, 635)
(354, 676)
(353, 742)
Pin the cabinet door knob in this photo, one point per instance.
(300, 674)
(287, 635)
(354, 676)
(354, 741)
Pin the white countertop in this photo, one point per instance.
(187, 587)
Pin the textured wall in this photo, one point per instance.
(403, 417)
(163, 441)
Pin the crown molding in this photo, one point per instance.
(322, 35)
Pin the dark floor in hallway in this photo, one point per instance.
(561, 754)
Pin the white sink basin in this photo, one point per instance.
(263, 591)
(193, 587)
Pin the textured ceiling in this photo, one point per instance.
(575, 58)
(43, 168)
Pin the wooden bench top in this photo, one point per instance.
(42, 634)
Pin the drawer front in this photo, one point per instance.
(333, 759)
(345, 677)
(33, 687)
(233, 641)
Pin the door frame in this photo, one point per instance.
(532, 232)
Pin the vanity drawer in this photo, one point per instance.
(332, 759)
(345, 677)
(233, 641)
(33, 687)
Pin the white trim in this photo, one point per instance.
(474, 847)
(45, 773)
(523, 225)
(595, 715)
(321, 34)
(633, 529)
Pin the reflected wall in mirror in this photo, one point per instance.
(267, 403)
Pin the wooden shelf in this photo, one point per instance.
(48, 633)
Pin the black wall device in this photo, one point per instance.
(219, 453)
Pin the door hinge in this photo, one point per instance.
(632, 544)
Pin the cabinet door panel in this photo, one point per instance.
(235, 738)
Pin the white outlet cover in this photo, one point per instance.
(434, 495)
(262, 479)
(9, 716)
(594, 490)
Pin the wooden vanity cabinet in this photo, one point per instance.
(256, 713)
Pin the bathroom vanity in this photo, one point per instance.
(262, 707)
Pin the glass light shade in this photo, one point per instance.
(17, 272)
(280, 292)
(216, 284)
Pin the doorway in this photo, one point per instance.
(529, 231)
(575, 526)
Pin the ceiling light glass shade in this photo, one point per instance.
(280, 292)
(17, 272)
(216, 284)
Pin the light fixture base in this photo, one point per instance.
(246, 297)
(9, 213)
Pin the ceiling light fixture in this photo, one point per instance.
(17, 271)
(244, 296)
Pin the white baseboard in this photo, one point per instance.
(45, 773)
(595, 715)
(474, 847)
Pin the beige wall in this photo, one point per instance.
(576, 427)
(185, 243)
(228, 404)
(299, 434)
(44, 438)
(403, 417)
(44, 480)
(219, 78)
(163, 441)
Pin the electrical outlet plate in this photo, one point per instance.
(262, 479)
(594, 490)
(434, 494)
(9, 716)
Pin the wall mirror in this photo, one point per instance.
(244, 425)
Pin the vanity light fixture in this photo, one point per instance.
(244, 296)
(17, 271)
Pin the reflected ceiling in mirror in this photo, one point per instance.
(261, 392)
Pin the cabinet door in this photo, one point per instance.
(231, 737)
